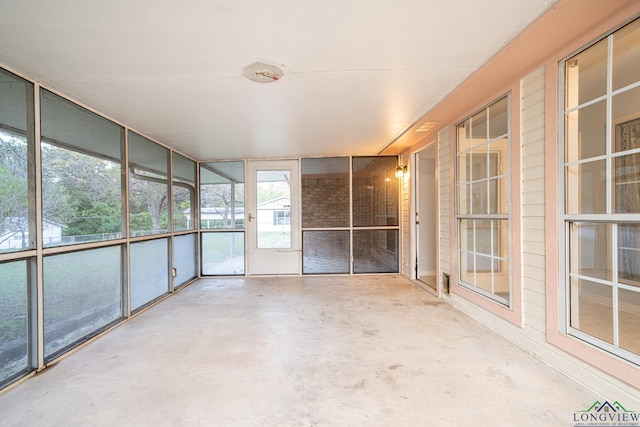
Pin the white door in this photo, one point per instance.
(273, 224)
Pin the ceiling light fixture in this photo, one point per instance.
(260, 72)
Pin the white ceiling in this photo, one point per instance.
(357, 73)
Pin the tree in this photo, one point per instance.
(14, 193)
(81, 191)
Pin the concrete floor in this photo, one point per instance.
(298, 351)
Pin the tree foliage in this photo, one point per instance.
(81, 192)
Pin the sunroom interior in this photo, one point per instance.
(355, 156)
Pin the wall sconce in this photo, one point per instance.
(400, 171)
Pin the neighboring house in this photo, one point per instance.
(17, 238)
(215, 217)
(272, 215)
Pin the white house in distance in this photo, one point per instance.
(16, 238)
(272, 215)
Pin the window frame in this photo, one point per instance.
(470, 216)
(609, 217)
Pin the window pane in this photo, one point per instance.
(66, 124)
(149, 271)
(184, 258)
(484, 267)
(375, 191)
(463, 141)
(81, 174)
(627, 184)
(479, 128)
(629, 320)
(375, 251)
(498, 200)
(586, 75)
(467, 267)
(14, 327)
(223, 253)
(148, 187)
(586, 132)
(222, 195)
(325, 252)
(498, 159)
(627, 135)
(464, 167)
(629, 254)
(183, 192)
(273, 225)
(499, 118)
(467, 251)
(501, 281)
(484, 235)
(589, 245)
(464, 199)
(592, 308)
(81, 197)
(183, 207)
(17, 207)
(479, 163)
(586, 191)
(479, 198)
(148, 156)
(80, 301)
(626, 55)
(325, 192)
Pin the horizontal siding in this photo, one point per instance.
(406, 238)
(533, 201)
(444, 196)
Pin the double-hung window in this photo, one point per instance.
(600, 162)
(482, 207)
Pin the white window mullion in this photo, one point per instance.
(615, 273)
(608, 168)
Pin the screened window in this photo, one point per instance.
(326, 217)
(79, 301)
(376, 209)
(325, 192)
(601, 163)
(183, 192)
(222, 195)
(184, 258)
(17, 205)
(14, 326)
(482, 188)
(375, 191)
(148, 187)
(222, 214)
(81, 174)
(149, 271)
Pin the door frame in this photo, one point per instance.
(291, 256)
(414, 220)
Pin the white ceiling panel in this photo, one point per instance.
(356, 73)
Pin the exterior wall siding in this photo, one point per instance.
(405, 194)
(533, 209)
(445, 190)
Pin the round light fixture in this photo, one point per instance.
(260, 72)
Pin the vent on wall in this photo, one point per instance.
(427, 127)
